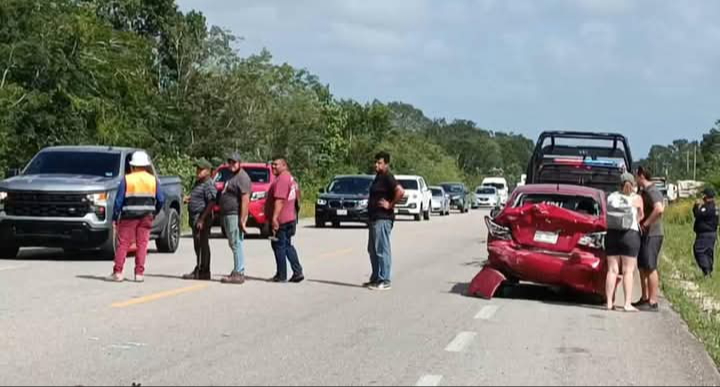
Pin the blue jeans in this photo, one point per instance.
(285, 251)
(235, 240)
(379, 250)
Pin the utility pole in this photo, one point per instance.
(695, 167)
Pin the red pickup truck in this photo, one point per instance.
(262, 177)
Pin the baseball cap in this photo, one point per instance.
(203, 163)
(627, 178)
(234, 156)
(709, 193)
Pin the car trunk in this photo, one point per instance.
(549, 227)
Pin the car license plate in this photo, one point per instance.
(342, 212)
(546, 237)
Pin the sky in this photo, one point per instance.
(644, 68)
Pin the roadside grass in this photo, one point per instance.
(696, 299)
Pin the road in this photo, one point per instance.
(62, 325)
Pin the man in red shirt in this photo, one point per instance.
(282, 198)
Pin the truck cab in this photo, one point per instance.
(65, 196)
(262, 178)
(417, 201)
(500, 184)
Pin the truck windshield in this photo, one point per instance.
(498, 186)
(350, 185)
(75, 163)
(258, 175)
(486, 191)
(454, 188)
(409, 184)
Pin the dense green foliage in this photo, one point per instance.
(141, 73)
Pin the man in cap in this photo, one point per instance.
(234, 205)
(706, 227)
(139, 198)
(200, 207)
(653, 234)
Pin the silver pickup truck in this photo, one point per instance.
(65, 196)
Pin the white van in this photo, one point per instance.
(500, 184)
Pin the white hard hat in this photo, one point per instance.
(140, 159)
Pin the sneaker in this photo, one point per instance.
(234, 278)
(191, 276)
(380, 286)
(115, 277)
(641, 302)
(297, 278)
(277, 279)
(139, 278)
(648, 307)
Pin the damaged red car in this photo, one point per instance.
(548, 234)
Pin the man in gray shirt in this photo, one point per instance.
(200, 203)
(234, 202)
(652, 240)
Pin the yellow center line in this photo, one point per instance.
(12, 267)
(158, 296)
(337, 253)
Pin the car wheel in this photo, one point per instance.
(9, 251)
(418, 217)
(107, 251)
(170, 238)
(319, 223)
(426, 215)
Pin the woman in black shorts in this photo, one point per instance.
(623, 246)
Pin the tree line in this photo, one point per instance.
(144, 74)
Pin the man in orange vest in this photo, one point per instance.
(137, 201)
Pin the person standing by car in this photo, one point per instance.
(282, 206)
(706, 228)
(200, 205)
(234, 205)
(138, 199)
(622, 243)
(652, 239)
(385, 193)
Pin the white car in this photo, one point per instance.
(487, 196)
(417, 201)
(440, 201)
(500, 184)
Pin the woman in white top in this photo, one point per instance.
(623, 244)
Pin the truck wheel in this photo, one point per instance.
(418, 217)
(426, 215)
(9, 251)
(319, 223)
(170, 237)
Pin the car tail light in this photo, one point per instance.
(594, 240)
(497, 231)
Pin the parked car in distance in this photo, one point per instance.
(345, 199)
(548, 234)
(261, 177)
(440, 201)
(487, 196)
(65, 198)
(500, 184)
(417, 200)
(459, 196)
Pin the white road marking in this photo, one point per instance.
(486, 312)
(12, 267)
(461, 341)
(429, 380)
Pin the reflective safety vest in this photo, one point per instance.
(140, 195)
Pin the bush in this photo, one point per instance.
(680, 213)
(177, 165)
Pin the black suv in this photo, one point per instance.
(344, 200)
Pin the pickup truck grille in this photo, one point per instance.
(403, 201)
(46, 205)
(343, 204)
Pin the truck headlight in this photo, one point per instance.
(98, 199)
(3, 196)
(260, 195)
(321, 202)
(363, 203)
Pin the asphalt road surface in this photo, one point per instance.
(62, 325)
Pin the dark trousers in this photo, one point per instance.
(201, 241)
(705, 251)
(285, 251)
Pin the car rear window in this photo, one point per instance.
(436, 192)
(258, 175)
(581, 204)
(409, 184)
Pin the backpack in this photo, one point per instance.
(620, 212)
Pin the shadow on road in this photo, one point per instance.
(92, 277)
(541, 293)
(335, 283)
(59, 255)
(342, 227)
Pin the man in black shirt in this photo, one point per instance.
(706, 226)
(200, 205)
(385, 193)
